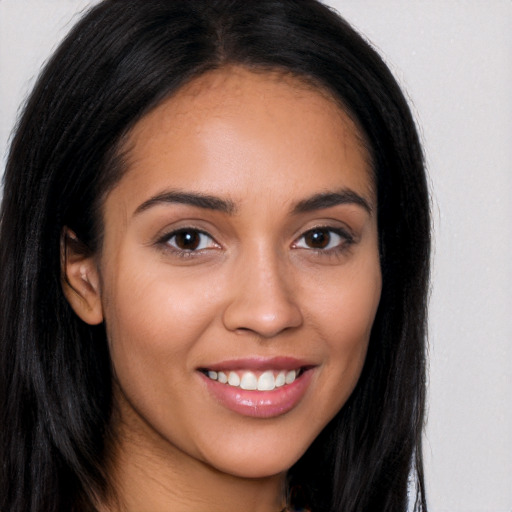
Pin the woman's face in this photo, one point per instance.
(241, 244)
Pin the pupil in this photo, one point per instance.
(318, 239)
(187, 240)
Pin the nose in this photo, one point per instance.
(263, 300)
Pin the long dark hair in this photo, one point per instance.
(118, 63)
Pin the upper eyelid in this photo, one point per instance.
(181, 230)
(164, 243)
(167, 234)
(346, 241)
(342, 231)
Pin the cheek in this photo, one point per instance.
(343, 315)
(346, 303)
(357, 304)
(154, 318)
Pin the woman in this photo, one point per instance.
(214, 254)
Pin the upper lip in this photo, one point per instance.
(259, 364)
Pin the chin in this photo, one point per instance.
(256, 463)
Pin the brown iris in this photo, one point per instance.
(187, 240)
(317, 238)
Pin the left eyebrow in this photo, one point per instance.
(329, 199)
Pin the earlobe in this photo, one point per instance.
(80, 278)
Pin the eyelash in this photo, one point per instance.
(187, 253)
(344, 242)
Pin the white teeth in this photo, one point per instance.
(249, 381)
(233, 379)
(290, 377)
(266, 382)
(280, 379)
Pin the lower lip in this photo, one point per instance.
(260, 404)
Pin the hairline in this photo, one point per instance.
(118, 155)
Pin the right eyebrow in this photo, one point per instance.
(199, 200)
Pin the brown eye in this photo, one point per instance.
(324, 239)
(187, 240)
(318, 238)
(190, 240)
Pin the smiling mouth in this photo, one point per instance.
(255, 381)
(259, 388)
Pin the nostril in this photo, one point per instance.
(263, 301)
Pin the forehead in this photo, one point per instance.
(235, 121)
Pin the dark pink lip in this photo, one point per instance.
(260, 404)
(259, 364)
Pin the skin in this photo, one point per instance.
(257, 286)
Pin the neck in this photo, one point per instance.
(148, 473)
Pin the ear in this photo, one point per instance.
(80, 278)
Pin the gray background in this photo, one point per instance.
(454, 57)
